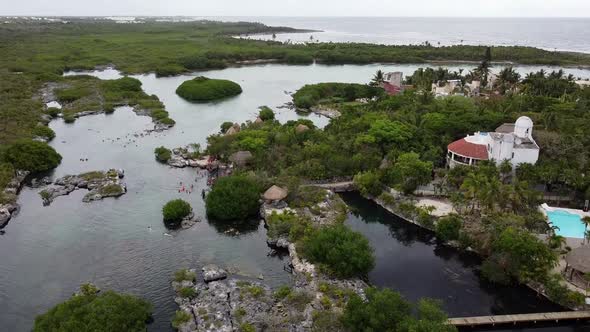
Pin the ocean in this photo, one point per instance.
(561, 34)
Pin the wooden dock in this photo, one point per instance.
(519, 318)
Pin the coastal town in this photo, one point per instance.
(259, 185)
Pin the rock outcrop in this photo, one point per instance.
(11, 190)
(100, 185)
(214, 303)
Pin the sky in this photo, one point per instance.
(395, 8)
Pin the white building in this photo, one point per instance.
(394, 78)
(511, 141)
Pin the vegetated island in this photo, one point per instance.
(203, 89)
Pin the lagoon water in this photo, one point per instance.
(49, 251)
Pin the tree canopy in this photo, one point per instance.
(203, 89)
(233, 198)
(89, 311)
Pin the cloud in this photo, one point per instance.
(414, 8)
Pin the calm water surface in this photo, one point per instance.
(410, 260)
(49, 251)
(563, 34)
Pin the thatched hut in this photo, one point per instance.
(578, 266)
(233, 129)
(301, 128)
(275, 194)
(240, 158)
(258, 120)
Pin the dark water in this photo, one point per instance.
(47, 252)
(411, 261)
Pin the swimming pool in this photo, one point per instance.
(570, 224)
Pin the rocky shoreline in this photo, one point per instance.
(100, 185)
(215, 303)
(47, 95)
(11, 208)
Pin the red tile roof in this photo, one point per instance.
(466, 149)
(391, 89)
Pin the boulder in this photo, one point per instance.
(4, 216)
(213, 272)
(177, 161)
(275, 193)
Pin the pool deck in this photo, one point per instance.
(544, 208)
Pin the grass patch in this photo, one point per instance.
(184, 275)
(202, 89)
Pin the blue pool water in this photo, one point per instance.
(570, 225)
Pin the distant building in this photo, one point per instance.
(392, 83)
(395, 78)
(511, 141)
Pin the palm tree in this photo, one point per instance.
(507, 79)
(378, 79)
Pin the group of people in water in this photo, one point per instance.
(184, 189)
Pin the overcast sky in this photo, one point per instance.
(452, 8)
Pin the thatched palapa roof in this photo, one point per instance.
(241, 157)
(579, 259)
(258, 120)
(275, 193)
(301, 128)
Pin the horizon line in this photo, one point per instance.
(294, 16)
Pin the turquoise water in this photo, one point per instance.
(570, 225)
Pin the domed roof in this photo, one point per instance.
(524, 121)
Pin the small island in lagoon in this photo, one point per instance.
(203, 89)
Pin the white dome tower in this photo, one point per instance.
(523, 127)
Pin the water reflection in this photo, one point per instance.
(410, 260)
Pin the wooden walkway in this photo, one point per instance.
(520, 318)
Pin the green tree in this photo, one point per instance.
(343, 252)
(108, 311)
(385, 133)
(266, 113)
(31, 156)
(176, 210)
(162, 154)
(409, 172)
(387, 310)
(368, 183)
(233, 198)
(377, 78)
(448, 227)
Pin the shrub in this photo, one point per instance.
(310, 95)
(299, 299)
(282, 292)
(225, 126)
(247, 327)
(111, 189)
(266, 113)
(187, 292)
(180, 317)
(386, 310)
(162, 154)
(233, 197)
(287, 224)
(448, 227)
(159, 114)
(184, 274)
(176, 210)
(31, 156)
(167, 121)
(559, 292)
(343, 252)
(106, 311)
(53, 111)
(69, 118)
(6, 174)
(368, 183)
(202, 89)
(326, 320)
